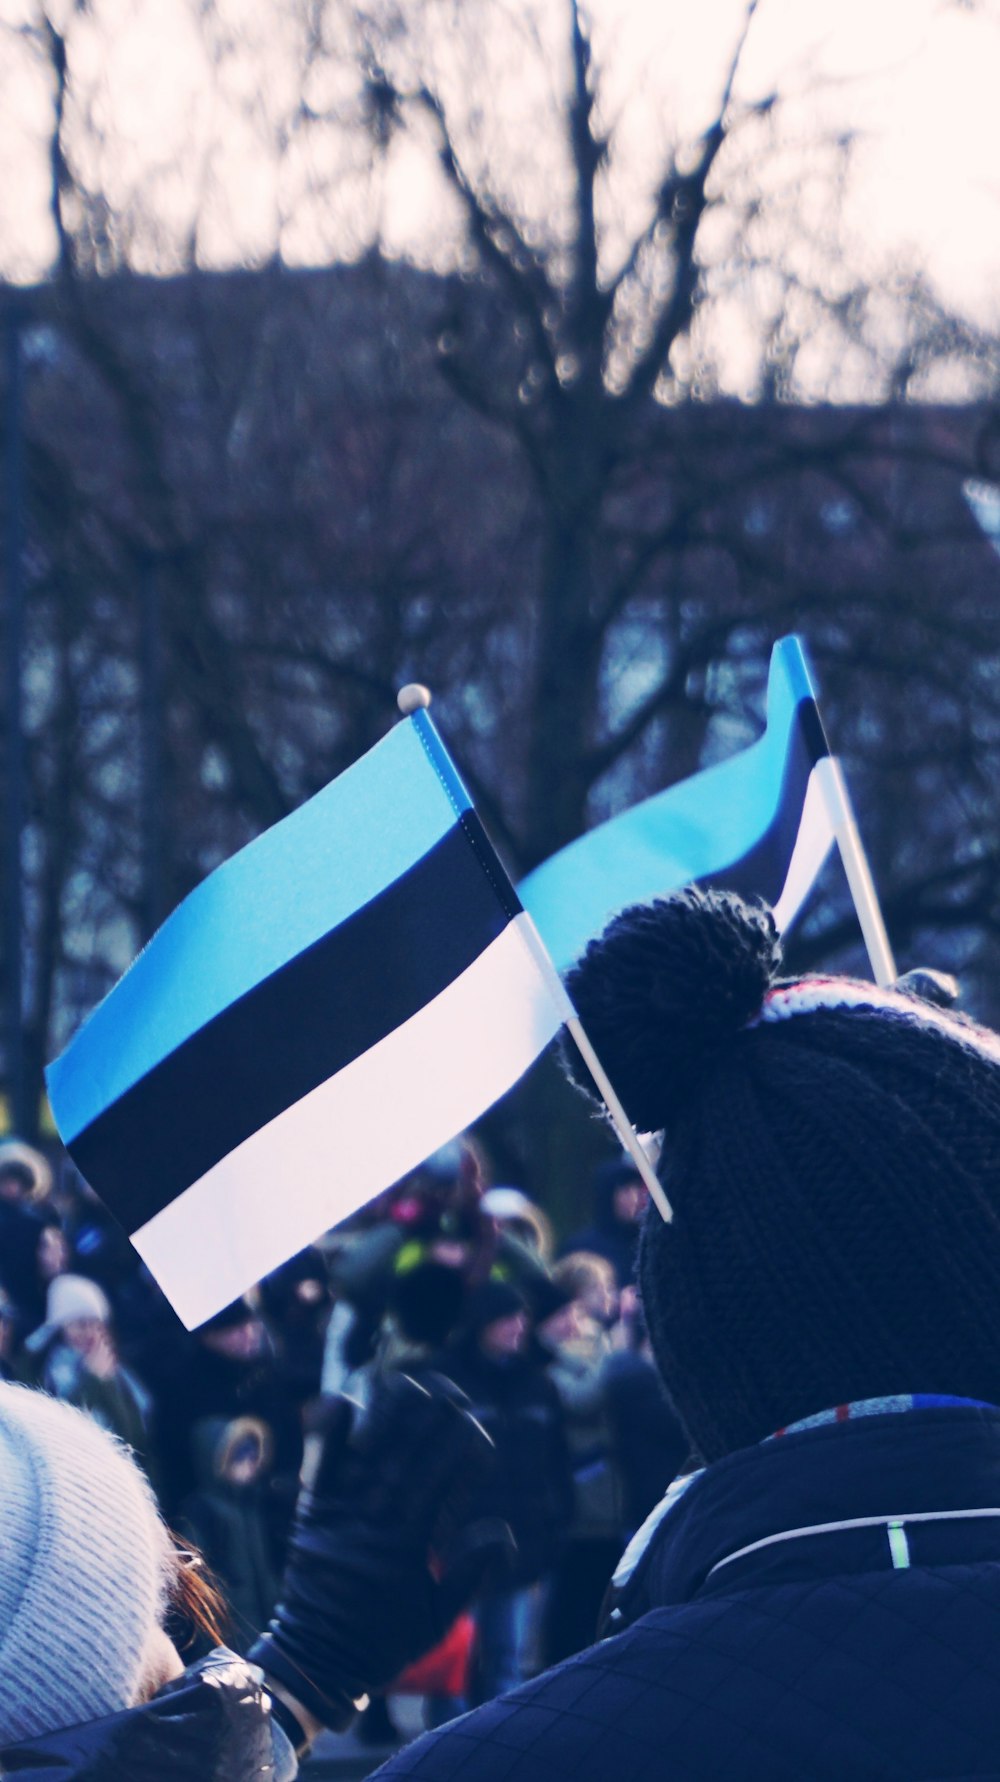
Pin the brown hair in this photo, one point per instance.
(195, 1601)
(583, 1269)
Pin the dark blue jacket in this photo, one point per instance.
(531, 1484)
(855, 1653)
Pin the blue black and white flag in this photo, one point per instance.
(759, 823)
(319, 1015)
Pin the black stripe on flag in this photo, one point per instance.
(299, 1027)
(762, 871)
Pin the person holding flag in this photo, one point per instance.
(822, 1598)
(819, 1265)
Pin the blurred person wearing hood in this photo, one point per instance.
(227, 1368)
(25, 1181)
(226, 1521)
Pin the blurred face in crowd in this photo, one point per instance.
(505, 1336)
(238, 1342)
(566, 1325)
(599, 1298)
(52, 1253)
(85, 1335)
(630, 1200)
(15, 1182)
(449, 1251)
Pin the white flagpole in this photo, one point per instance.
(859, 878)
(622, 1124)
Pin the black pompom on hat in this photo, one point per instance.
(831, 1153)
(665, 989)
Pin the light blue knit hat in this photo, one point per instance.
(85, 1562)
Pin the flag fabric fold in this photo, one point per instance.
(758, 823)
(322, 1012)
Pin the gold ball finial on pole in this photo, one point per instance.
(414, 697)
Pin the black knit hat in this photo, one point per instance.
(239, 1311)
(492, 1300)
(547, 1297)
(832, 1157)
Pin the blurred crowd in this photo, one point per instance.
(443, 1274)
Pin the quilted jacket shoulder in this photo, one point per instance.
(775, 1632)
(212, 1725)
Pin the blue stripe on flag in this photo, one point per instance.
(693, 830)
(271, 901)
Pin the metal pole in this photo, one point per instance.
(14, 814)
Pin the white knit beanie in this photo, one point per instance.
(74, 1296)
(84, 1564)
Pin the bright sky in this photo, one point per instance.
(920, 78)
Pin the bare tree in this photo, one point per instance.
(522, 478)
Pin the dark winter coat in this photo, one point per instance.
(20, 1229)
(119, 1403)
(228, 1523)
(204, 1384)
(650, 1446)
(758, 1651)
(531, 1486)
(212, 1725)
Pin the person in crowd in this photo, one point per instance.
(52, 1253)
(522, 1219)
(531, 1488)
(8, 1336)
(51, 1257)
(74, 1357)
(382, 1558)
(432, 1216)
(648, 1440)
(575, 1349)
(25, 1174)
(25, 1181)
(821, 1598)
(227, 1369)
(226, 1520)
(398, 1269)
(295, 1304)
(99, 1246)
(591, 1281)
(620, 1200)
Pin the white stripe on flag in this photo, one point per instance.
(364, 1128)
(812, 845)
